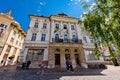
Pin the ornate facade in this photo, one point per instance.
(57, 38)
(11, 39)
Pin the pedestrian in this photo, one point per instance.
(42, 67)
(67, 64)
(71, 67)
(28, 64)
(24, 64)
(1, 63)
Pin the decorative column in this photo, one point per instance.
(52, 27)
(24, 55)
(82, 58)
(16, 56)
(69, 30)
(62, 58)
(72, 55)
(3, 52)
(45, 56)
(10, 54)
(51, 58)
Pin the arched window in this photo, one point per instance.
(75, 50)
(65, 38)
(56, 37)
(57, 50)
(73, 38)
(66, 50)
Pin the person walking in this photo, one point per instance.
(67, 64)
(71, 67)
(42, 68)
(28, 64)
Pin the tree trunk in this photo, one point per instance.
(114, 60)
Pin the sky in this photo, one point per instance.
(21, 9)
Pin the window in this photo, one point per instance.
(43, 37)
(65, 38)
(36, 25)
(65, 26)
(73, 38)
(14, 33)
(91, 56)
(15, 50)
(35, 54)
(19, 44)
(33, 37)
(44, 25)
(18, 36)
(16, 42)
(85, 40)
(72, 27)
(8, 48)
(12, 40)
(57, 26)
(57, 37)
(91, 40)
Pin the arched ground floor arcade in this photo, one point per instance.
(60, 52)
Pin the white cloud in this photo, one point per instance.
(42, 3)
(74, 2)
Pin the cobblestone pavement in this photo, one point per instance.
(83, 74)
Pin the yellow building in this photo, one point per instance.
(11, 39)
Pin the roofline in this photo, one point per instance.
(37, 16)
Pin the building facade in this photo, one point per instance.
(11, 39)
(57, 38)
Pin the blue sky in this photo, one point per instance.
(22, 8)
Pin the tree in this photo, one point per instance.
(103, 23)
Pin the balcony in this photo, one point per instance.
(79, 41)
(88, 45)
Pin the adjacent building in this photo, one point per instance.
(57, 38)
(11, 39)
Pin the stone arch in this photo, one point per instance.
(75, 50)
(57, 50)
(67, 50)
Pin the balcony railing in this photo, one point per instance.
(67, 41)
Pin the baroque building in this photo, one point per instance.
(57, 38)
(11, 39)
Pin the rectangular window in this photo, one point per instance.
(43, 37)
(57, 26)
(91, 40)
(91, 56)
(72, 27)
(8, 48)
(12, 40)
(16, 42)
(36, 25)
(44, 25)
(15, 50)
(33, 37)
(14, 33)
(85, 40)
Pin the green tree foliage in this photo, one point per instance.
(103, 22)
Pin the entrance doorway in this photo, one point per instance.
(57, 59)
(67, 56)
(77, 59)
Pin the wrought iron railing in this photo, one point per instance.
(67, 40)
